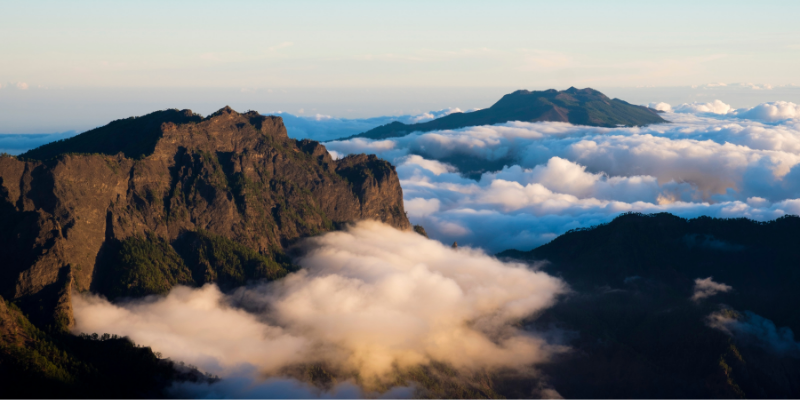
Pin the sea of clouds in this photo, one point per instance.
(709, 160)
(370, 300)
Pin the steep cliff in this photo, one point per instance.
(68, 209)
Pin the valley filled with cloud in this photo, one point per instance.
(370, 303)
(530, 182)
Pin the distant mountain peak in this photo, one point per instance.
(576, 106)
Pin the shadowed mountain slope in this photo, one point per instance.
(636, 330)
(135, 137)
(576, 106)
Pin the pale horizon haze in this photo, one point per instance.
(77, 65)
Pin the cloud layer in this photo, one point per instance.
(370, 299)
(710, 160)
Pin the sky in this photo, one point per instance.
(85, 63)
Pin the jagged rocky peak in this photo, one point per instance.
(68, 208)
(138, 137)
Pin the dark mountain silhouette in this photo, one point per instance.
(637, 333)
(576, 106)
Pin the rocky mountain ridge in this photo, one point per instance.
(237, 179)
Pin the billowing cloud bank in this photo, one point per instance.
(369, 299)
(710, 160)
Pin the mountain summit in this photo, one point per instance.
(145, 203)
(576, 106)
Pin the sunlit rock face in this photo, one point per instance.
(68, 205)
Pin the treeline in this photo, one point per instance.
(37, 364)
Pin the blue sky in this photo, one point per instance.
(126, 56)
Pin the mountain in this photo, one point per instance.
(144, 203)
(635, 330)
(576, 106)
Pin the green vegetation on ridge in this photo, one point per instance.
(36, 364)
(140, 266)
(213, 258)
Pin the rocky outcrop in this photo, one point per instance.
(233, 175)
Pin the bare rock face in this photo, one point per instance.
(12, 333)
(234, 175)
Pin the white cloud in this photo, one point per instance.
(194, 326)
(564, 176)
(560, 176)
(515, 208)
(335, 154)
(431, 115)
(774, 111)
(757, 201)
(715, 107)
(711, 167)
(707, 287)
(660, 106)
(715, 156)
(436, 167)
(368, 299)
(21, 86)
(756, 86)
(420, 207)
